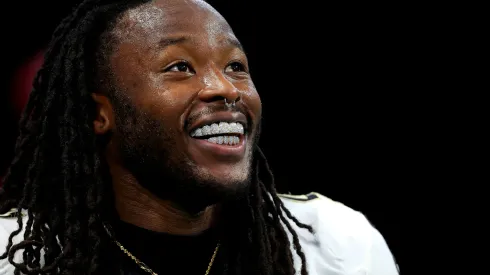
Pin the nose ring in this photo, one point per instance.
(229, 105)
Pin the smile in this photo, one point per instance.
(222, 133)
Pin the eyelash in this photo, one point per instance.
(241, 66)
(182, 62)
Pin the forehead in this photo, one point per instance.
(156, 20)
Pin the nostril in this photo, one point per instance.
(215, 98)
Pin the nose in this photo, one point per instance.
(217, 88)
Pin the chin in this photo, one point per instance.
(221, 185)
(227, 175)
(193, 187)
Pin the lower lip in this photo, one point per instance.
(224, 150)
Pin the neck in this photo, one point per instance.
(137, 206)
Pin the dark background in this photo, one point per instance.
(330, 79)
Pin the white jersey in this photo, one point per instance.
(344, 242)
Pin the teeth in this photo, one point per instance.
(198, 132)
(206, 130)
(215, 129)
(227, 140)
(219, 128)
(224, 128)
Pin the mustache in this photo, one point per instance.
(215, 108)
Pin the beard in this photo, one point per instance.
(147, 149)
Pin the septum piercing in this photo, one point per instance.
(229, 105)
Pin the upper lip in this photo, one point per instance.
(219, 117)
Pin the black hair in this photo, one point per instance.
(60, 176)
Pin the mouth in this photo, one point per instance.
(221, 134)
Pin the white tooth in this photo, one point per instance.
(237, 140)
(198, 132)
(213, 139)
(214, 129)
(206, 130)
(240, 128)
(233, 127)
(225, 140)
(220, 140)
(223, 128)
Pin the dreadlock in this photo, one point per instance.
(61, 177)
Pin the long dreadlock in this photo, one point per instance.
(66, 190)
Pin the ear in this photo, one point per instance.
(104, 119)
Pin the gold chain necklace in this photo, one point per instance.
(143, 266)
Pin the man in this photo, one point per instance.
(138, 154)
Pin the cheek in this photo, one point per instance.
(165, 105)
(169, 100)
(170, 93)
(252, 98)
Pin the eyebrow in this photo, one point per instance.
(236, 43)
(166, 42)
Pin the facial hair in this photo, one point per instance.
(147, 148)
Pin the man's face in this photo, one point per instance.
(174, 65)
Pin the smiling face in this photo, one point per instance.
(174, 65)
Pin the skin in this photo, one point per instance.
(170, 73)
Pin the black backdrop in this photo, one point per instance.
(329, 79)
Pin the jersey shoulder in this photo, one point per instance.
(343, 242)
(329, 218)
(323, 212)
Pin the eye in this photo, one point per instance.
(235, 67)
(182, 67)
